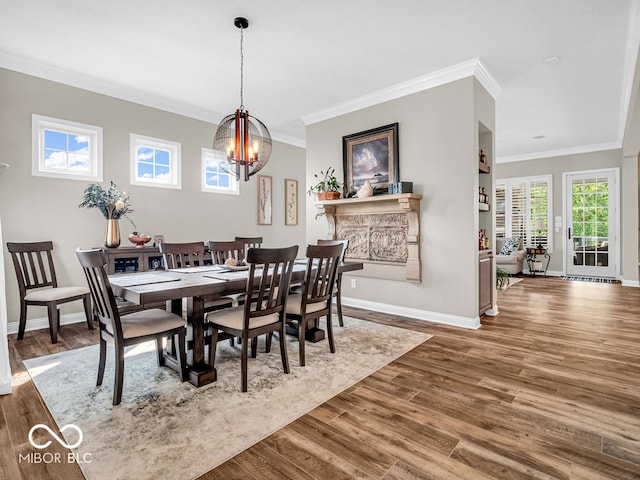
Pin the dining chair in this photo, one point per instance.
(337, 289)
(182, 255)
(222, 251)
(251, 242)
(269, 276)
(314, 301)
(131, 329)
(38, 285)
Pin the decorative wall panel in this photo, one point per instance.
(383, 232)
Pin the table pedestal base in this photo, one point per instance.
(199, 375)
(312, 334)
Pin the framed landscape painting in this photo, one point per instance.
(371, 155)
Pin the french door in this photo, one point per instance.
(591, 213)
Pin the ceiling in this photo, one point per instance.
(305, 60)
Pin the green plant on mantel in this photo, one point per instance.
(327, 182)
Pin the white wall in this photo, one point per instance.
(438, 153)
(39, 208)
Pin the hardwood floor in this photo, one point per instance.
(548, 389)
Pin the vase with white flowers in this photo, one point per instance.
(113, 204)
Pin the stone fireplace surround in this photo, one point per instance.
(383, 233)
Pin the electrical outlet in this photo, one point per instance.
(353, 283)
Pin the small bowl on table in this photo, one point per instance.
(140, 239)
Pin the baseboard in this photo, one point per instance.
(630, 283)
(43, 322)
(435, 317)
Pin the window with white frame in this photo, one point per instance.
(155, 162)
(523, 208)
(215, 177)
(65, 149)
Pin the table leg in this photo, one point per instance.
(200, 372)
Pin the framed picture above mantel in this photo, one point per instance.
(371, 155)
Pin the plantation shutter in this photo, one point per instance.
(520, 205)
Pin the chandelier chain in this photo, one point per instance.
(241, 70)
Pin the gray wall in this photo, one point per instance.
(438, 153)
(39, 208)
(556, 166)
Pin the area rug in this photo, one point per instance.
(167, 429)
(589, 279)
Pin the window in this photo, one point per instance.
(155, 162)
(214, 177)
(522, 206)
(65, 149)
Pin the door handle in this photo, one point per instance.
(569, 233)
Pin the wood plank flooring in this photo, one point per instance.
(548, 389)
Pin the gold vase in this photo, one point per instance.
(112, 234)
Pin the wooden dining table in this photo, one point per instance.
(193, 286)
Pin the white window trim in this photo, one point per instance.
(39, 123)
(235, 185)
(175, 162)
(530, 179)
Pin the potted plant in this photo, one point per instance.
(327, 187)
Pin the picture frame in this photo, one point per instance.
(264, 200)
(371, 155)
(157, 240)
(290, 201)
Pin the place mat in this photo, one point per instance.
(133, 279)
(199, 269)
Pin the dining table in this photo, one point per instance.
(187, 289)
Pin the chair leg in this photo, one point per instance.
(244, 361)
(182, 354)
(339, 307)
(332, 346)
(119, 376)
(54, 321)
(88, 311)
(267, 347)
(212, 349)
(302, 330)
(102, 361)
(23, 320)
(254, 347)
(283, 349)
(160, 351)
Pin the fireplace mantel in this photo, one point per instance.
(383, 233)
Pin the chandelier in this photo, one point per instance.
(243, 139)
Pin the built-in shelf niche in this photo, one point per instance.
(383, 233)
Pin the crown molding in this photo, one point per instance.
(447, 75)
(630, 63)
(596, 147)
(92, 84)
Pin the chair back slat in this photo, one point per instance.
(222, 251)
(93, 263)
(182, 255)
(269, 281)
(33, 263)
(322, 265)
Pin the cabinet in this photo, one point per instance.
(133, 259)
(485, 280)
